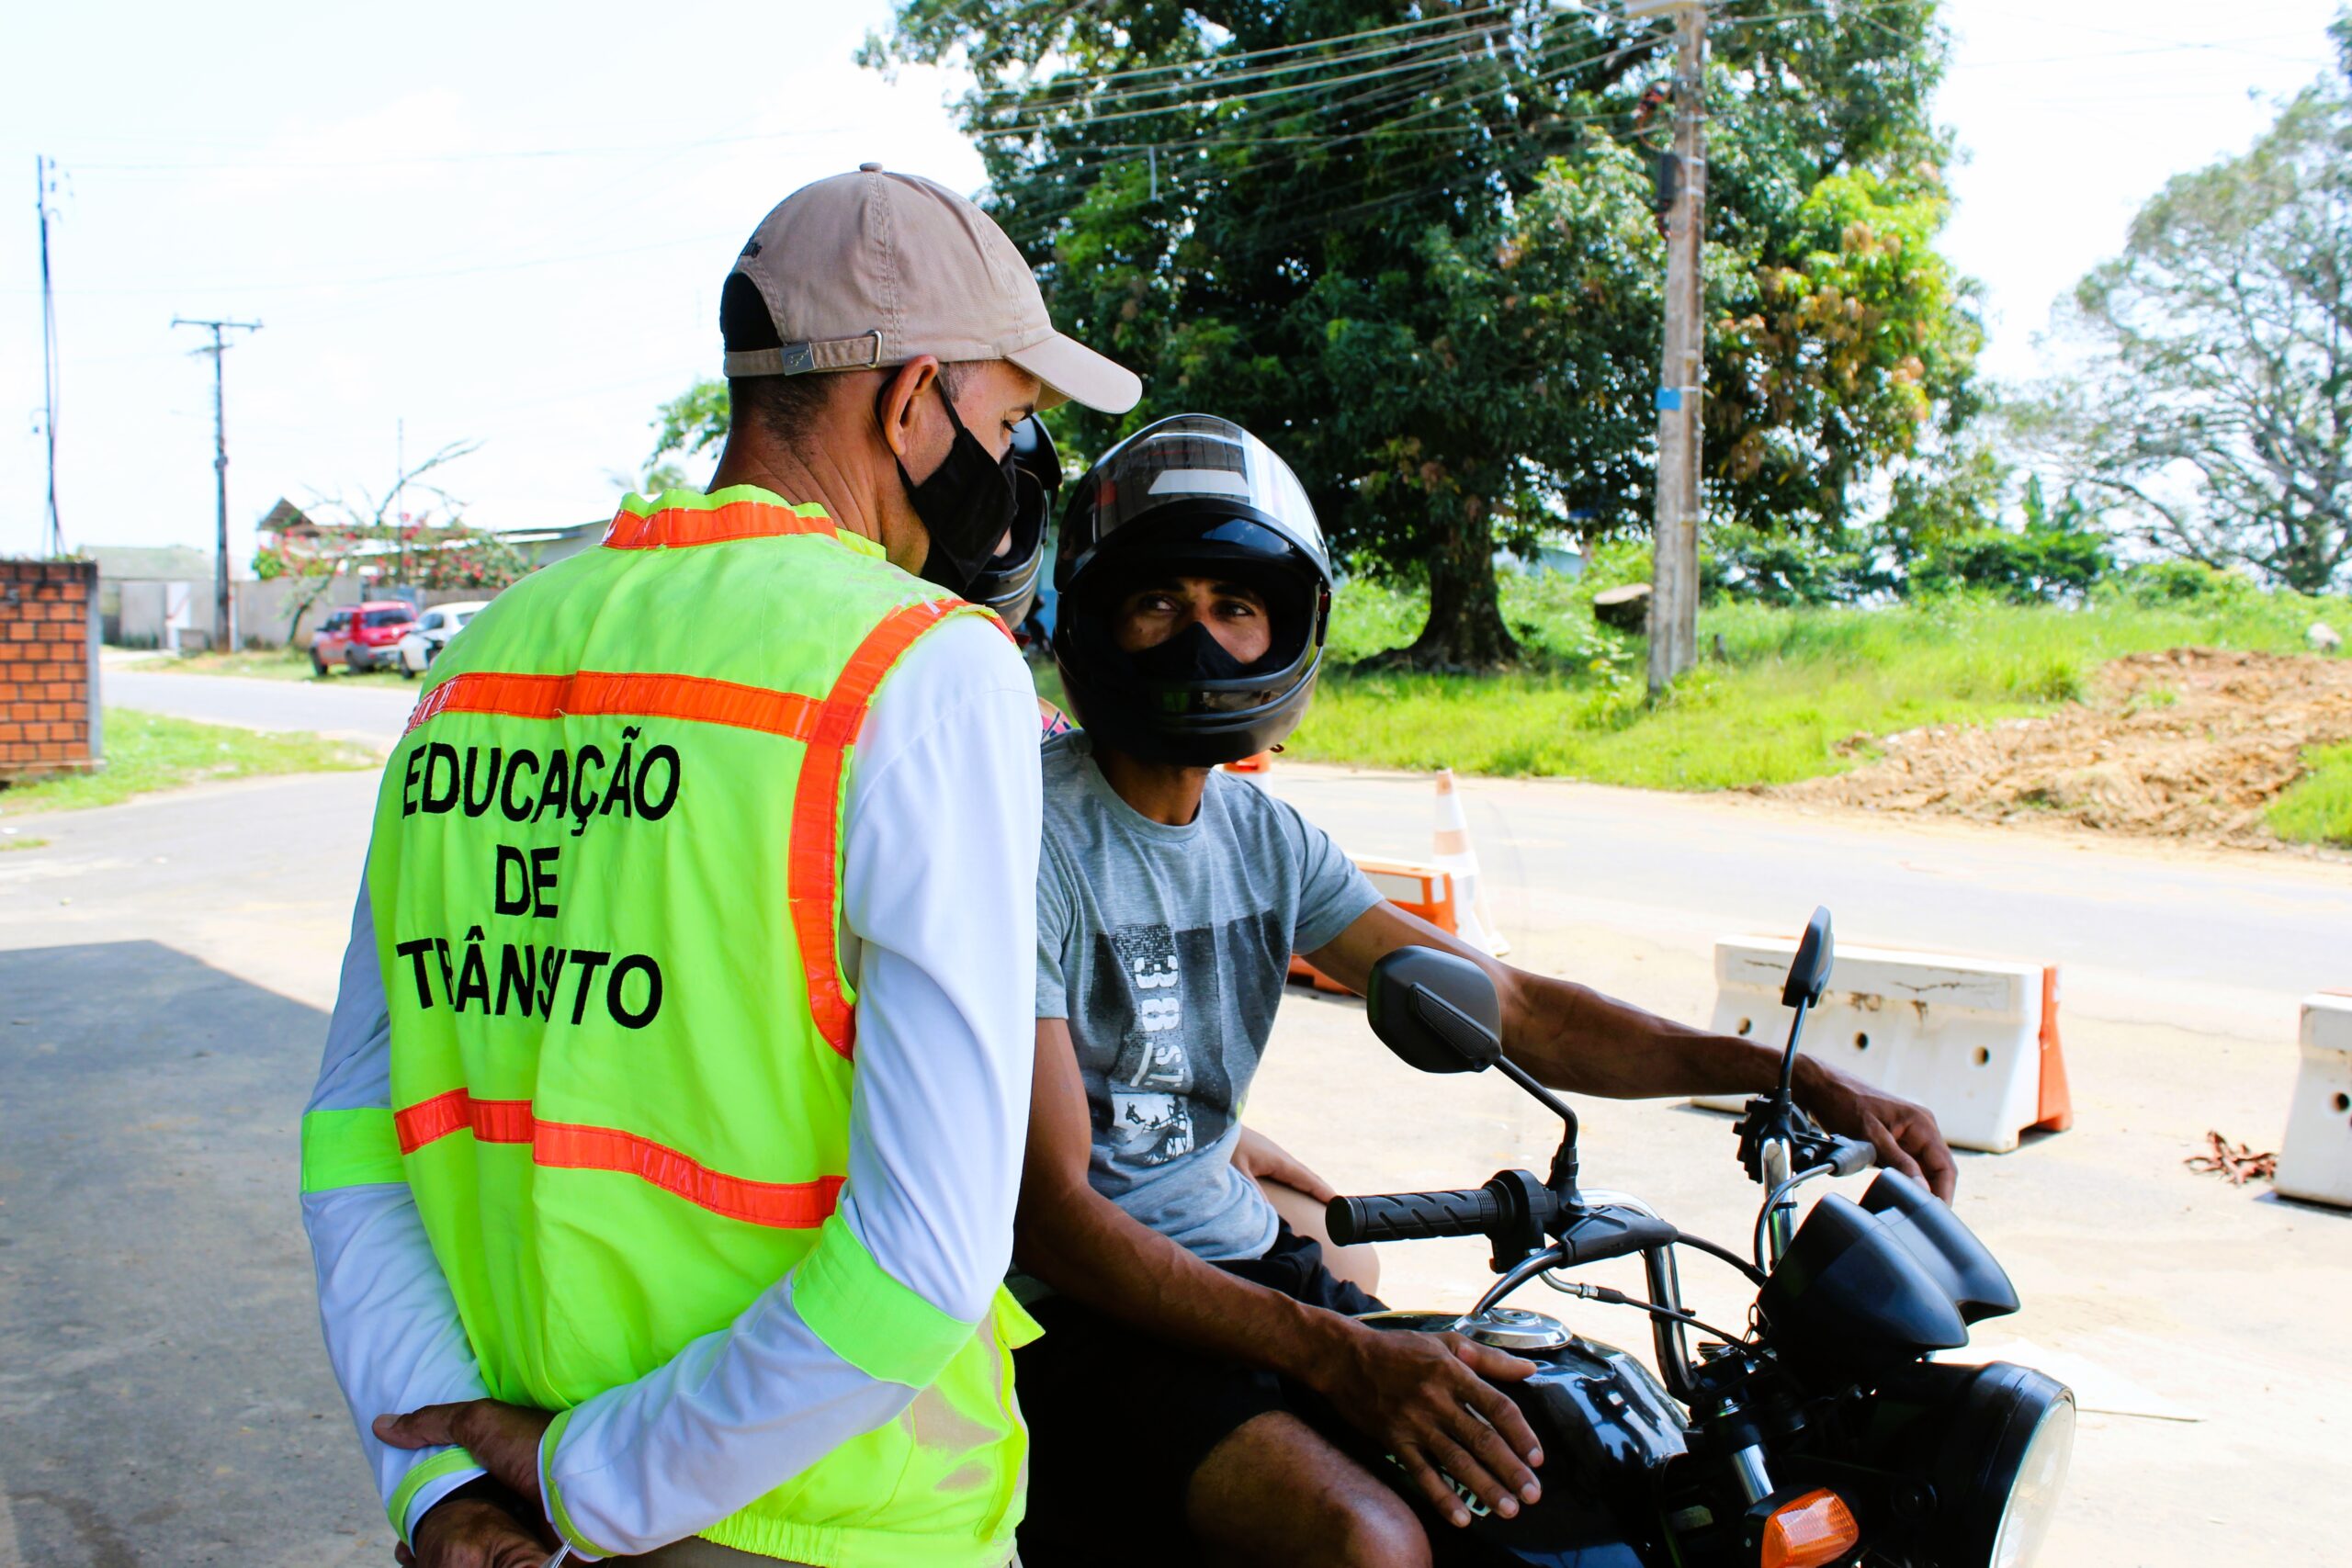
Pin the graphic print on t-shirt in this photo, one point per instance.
(1169, 1089)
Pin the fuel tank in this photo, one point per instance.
(1607, 1429)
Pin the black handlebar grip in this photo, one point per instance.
(1413, 1216)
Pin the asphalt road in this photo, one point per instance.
(357, 712)
(165, 966)
(2143, 930)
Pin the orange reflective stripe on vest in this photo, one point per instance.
(593, 691)
(793, 1205)
(675, 528)
(816, 812)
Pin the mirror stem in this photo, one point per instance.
(1789, 1056)
(1552, 1102)
(1564, 1163)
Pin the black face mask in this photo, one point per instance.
(1192, 654)
(966, 505)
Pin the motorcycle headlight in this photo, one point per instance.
(1992, 1444)
(2040, 1478)
(2002, 1465)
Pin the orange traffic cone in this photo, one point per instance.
(1451, 851)
(1255, 762)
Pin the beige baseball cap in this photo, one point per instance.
(875, 268)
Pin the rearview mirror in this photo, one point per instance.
(1809, 971)
(1436, 1010)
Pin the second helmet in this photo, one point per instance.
(1192, 495)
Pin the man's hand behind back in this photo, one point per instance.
(1429, 1398)
(466, 1531)
(470, 1532)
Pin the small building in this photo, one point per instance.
(154, 595)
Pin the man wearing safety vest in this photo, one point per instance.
(661, 1167)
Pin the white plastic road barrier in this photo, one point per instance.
(2315, 1162)
(1976, 1041)
(1450, 851)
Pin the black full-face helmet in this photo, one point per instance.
(1007, 581)
(1190, 496)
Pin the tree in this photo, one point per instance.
(1415, 245)
(687, 426)
(380, 534)
(2218, 406)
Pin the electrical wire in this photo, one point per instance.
(1208, 73)
(1448, 20)
(1717, 1251)
(1613, 1297)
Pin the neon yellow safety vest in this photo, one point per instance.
(605, 877)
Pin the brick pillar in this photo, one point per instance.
(48, 720)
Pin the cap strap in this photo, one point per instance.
(862, 352)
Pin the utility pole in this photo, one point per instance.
(223, 622)
(1674, 575)
(44, 182)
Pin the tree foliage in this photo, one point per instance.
(687, 426)
(1417, 247)
(382, 534)
(2218, 408)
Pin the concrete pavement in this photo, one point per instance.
(163, 1395)
(164, 968)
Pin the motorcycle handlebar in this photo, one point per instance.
(1414, 1216)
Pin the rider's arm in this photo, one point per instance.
(1572, 1037)
(1087, 1249)
(1421, 1393)
(391, 1329)
(940, 844)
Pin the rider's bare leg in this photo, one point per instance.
(1275, 1493)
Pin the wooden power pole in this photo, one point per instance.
(224, 621)
(1674, 575)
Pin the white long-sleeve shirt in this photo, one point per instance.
(938, 922)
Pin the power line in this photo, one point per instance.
(1450, 19)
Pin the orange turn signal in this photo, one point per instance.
(1815, 1530)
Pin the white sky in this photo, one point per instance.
(500, 227)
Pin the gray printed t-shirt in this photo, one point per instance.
(1166, 949)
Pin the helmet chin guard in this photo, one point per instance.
(1194, 496)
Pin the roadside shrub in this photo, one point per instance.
(1781, 570)
(2038, 566)
(2182, 582)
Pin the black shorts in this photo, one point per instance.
(1119, 1420)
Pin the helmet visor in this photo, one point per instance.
(1207, 461)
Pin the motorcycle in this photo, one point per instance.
(1826, 1434)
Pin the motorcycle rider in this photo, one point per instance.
(1195, 600)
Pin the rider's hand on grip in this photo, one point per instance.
(1428, 1398)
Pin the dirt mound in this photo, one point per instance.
(2192, 742)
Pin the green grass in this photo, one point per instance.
(1798, 693)
(146, 752)
(270, 664)
(2317, 808)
